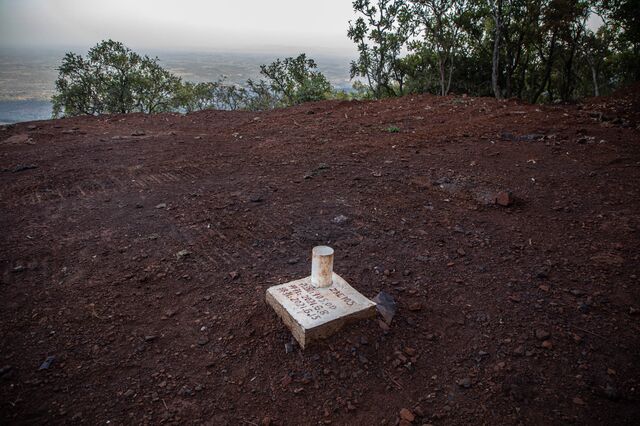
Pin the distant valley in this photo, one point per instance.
(27, 77)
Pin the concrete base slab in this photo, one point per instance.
(315, 313)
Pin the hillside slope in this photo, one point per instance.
(522, 313)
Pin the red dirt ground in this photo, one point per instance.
(521, 314)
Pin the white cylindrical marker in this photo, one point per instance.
(322, 266)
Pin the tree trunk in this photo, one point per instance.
(495, 66)
(594, 76)
(547, 73)
(442, 76)
(450, 74)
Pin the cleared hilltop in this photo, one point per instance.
(137, 249)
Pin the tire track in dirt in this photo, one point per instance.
(36, 195)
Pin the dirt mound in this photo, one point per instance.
(620, 109)
(136, 250)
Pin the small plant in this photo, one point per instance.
(393, 129)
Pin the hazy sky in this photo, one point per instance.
(178, 24)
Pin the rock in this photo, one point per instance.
(608, 259)
(5, 372)
(542, 272)
(183, 254)
(22, 167)
(418, 411)
(410, 351)
(611, 392)
(286, 381)
(18, 268)
(578, 401)
(32, 127)
(138, 133)
(383, 325)
(340, 219)
(583, 307)
(149, 338)
(504, 199)
(234, 275)
(415, 306)
(203, 340)
(256, 198)
(129, 393)
(185, 391)
(519, 351)
(386, 306)
(465, 382)
(542, 334)
(266, 421)
(288, 347)
(547, 344)
(18, 139)
(47, 362)
(161, 206)
(293, 260)
(406, 414)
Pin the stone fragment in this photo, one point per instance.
(504, 198)
(406, 414)
(183, 254)
(340, 219)
(386, 306)
(47, 362)
(415, 306)
(465, 382)
(542, 334)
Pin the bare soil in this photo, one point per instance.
(135, 252)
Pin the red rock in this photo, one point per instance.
(578, 401)
(542, 334)
(504, 198)
(415, 306)
(406, 414)
(410, 351)
(383, 325)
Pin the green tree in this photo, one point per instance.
(296, 80)
(379, 34)
(440, 22)
(113, 79)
